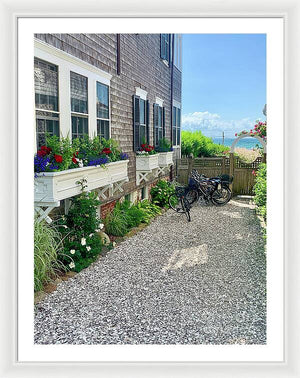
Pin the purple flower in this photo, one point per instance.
(41, 163)
(124, 156)
(98, 161)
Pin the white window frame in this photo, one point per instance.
(109, 110)
(67, 63)
(177, 105)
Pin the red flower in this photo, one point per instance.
(235, 134)
(74, 160)
(147, 149)
(143, 145)
(106, 151)
(77, 153)
(58, 158)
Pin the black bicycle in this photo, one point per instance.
(214, 189)
(179, 201)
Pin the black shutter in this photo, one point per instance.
(147, 122)
(155, 124)
(164, 121)
(136, 123)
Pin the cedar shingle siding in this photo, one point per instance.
(141, 66)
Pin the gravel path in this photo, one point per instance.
(201, 282)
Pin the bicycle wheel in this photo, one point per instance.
(175, 203)
(186, 206)
(192, 196)
(221, 196)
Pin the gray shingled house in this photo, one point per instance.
(121, 86)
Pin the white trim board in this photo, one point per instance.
(141, 93)
(105, 76)
(177, 104)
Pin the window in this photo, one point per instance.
(79, 105)
(178, 51)
(158, 123)
(165, 43)
(140, 122)
(46, 100)
(102, 110)
(176, 126)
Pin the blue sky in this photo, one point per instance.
(224, 82)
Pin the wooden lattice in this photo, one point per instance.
(241, 164)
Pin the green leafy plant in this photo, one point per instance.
(79, 228)
(164, 145)
(198, 145)
(116, 223)
(260, 190)
(61, 154)
(161, 192)
(149, 210)
(47, 247)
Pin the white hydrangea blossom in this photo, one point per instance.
(101, 226)
(88, 248)
(72, 251)
(72, 265)
(83, 241)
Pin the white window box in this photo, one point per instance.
(165, 159)
(146, 165)
(51, 187)
(146, 162)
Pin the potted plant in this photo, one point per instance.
(64, 169)
(165, 152)
(146, 158)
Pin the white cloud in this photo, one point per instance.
(212, 124)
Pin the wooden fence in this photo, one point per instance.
(242, 172)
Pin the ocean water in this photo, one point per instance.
(248, 143)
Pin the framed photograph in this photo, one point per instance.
(61, 87)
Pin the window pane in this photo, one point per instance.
(174, 116)
(178, 136)
(103, 129)
(46, 85)
(79, 93)
(79, 126)
(102, 101)
(142, 134)
(178, 117)
(142, 112)
(160, 116)
(174, 136)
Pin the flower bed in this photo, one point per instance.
(56, 186)
(64, 169)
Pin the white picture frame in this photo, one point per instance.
(9, 15)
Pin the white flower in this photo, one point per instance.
(91, 235)
(88, 248)
(83, 241)
(114, 244)
(101, 226)
(72, 251)
(65, 226)
(72, 265)
(97, 230)
(80, 163)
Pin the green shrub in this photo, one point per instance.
(116, 223)
(149, 210)
(47, 245)
(199, 145)
(260, 190)
(126, 216)
(161, 192)
(79, 228)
